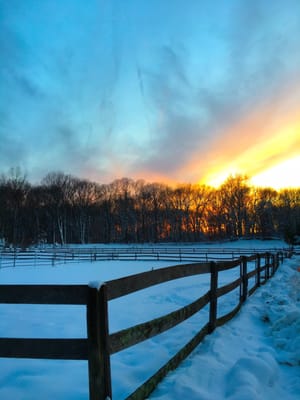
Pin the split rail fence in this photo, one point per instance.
(100, 344)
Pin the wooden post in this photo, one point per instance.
(273, 265)
(282, 257)
(98, 344)
(267, 267)
(244, 278)
(258, 270)
(241, 281)
(277, 260)
(213, 296)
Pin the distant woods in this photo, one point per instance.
(65, 209)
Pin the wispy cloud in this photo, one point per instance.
(102, 88)
(207, 122)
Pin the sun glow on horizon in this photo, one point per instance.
(216, 179)
(272, 161)
(284, 175)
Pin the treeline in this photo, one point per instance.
(65, 209)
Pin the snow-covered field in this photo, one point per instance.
(254, 356)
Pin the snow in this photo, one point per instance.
(95, 284)
(254, 356)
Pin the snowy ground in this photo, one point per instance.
(255, 356)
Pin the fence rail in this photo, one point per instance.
(100, 344)
(58, 255)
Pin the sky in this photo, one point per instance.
(172, 91)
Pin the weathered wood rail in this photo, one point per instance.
(100, 344)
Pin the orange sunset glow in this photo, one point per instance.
(189, 97)
(264, 146)
(283, 175)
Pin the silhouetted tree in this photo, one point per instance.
(67, 209)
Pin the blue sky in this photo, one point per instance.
(154, 89)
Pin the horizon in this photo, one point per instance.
(251, 182)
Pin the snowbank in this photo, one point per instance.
(255, 356)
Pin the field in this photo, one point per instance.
(32, 379)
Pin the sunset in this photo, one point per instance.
(162, 91)
(273, 162)
(149, 186)
(283, 175)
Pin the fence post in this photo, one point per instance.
(267, 267)
(273, 265)
(213, 296)
(98, 344)
(244, 278)
(258, 269)
(277, 260)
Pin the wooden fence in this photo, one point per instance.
(64, 254)
(100, 344)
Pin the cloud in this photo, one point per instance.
(184, 115)
(108, 88)
(195, 116)
(58, 79)
(168, 93)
